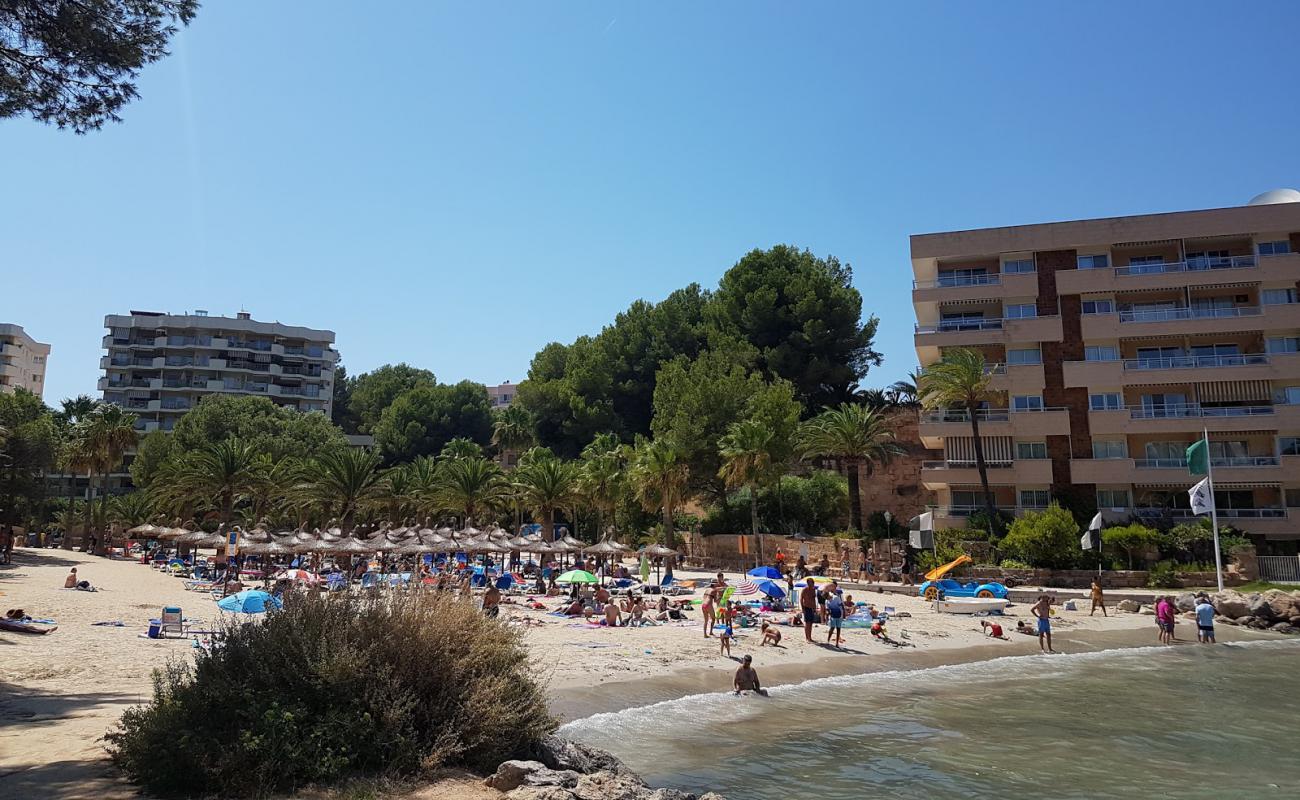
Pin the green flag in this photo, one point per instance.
(1198, 457)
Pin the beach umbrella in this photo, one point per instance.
(256, 548)
(604, 548)
(577, 576)
(305, 543)
(770, 588)
(744, 588)
(770, 573)
(659, 551)
(190, 537)
(252, 601)
(145, 531)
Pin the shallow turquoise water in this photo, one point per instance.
(1184, 722)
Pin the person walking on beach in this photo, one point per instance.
(780, 560)
(746, 678)
(835, 619)
(1204, 620)
(808, 607)
(844, 562)
(1098, 601)
(1043, 611)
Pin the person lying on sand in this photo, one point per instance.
(746, 678)
(1025, 628)
(17, 614)
(70, 582)
(771, 635)
(993, 630)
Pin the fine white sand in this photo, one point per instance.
(60, 692)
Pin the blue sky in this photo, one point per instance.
(455, 185)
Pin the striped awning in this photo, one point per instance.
(1234, 391)
(962, 448)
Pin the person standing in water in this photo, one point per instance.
(1043, 611)
(1204, 620)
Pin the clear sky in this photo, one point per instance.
(454, 185)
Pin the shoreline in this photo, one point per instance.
(571, 703)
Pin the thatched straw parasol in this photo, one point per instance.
(572, 542)
(605, 548)
(145, 531)
(191, 537)
(271, 548)
(343, 544)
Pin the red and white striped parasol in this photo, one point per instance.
(745, 587)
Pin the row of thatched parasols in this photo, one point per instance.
(412, 540)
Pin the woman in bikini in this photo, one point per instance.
(707, 608)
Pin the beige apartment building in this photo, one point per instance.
(160, 365)
(23, 360)
(1112, 344)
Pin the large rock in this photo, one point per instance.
(611, 786)
(1230, 603)
(540, 793)
(557, 752)
(1132, 606)
(1186, 602)
(511, 775)
(1295, 620)
(1244, 620)
(1259, 607)
(1284, 604)
(1282, 627)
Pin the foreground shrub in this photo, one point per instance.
(1047, 538)
(1163, 575)
(330, 688)
(1134, 540)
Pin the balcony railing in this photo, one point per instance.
(1193, 410)
(990, 463)
(954, 415)
(952, 325)
(1266, 512)
(1187, 312)
(953, 281)
(1184, 362)
(1190, 265)
(1181, 463)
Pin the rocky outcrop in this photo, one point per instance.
(1131, 606)
(1231, 604)
(1185, 601)
(567, 770)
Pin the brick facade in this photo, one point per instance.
(1079, 443)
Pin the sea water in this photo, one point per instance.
(1186, 721)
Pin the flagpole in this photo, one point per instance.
(1214, 509)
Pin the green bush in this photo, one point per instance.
(1163, 575)
(1047, 538)
(1133, 540)
(1011, 563)
(332, 688)
(817, 505)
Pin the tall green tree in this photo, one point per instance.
(28, 448)
(75, 64)
(546, 485)
(341, 402)
(460, 447)
(373, 392)
(660, 475)
(421, 421)
(513, 431)
(855, 436)
(346, 481)
(803, 316)
(470, 486)
(747, 462)
(271, 429)
(604, 476)
(221, 475)
(109, 433)
(960, 380)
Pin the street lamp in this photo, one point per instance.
(889, 551)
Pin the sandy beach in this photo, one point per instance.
(60, 692)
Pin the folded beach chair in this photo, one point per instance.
(172, 621)
(337, 582)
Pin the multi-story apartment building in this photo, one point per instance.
(1112, 343)
(159, 365)
(502, 395)
(22, 360)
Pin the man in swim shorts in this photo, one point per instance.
(746, 679)
(1204, 620)
(835, 619)
(1043, 611)
(808, 604)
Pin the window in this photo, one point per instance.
(1167, 451)
(1140, 264)
(963, 500)
(1101, 352)
(1282, 344)
(1094, 262)
(1278, 297)
(1110, 401)
(1026, 356)
(1031, 450)
(1035, 498)
(972, 276)
(1027, 402)
(1109, 448)
(1099, 306)
(1293, 498)
(1288, 445)
(1112, 498)
(1022, 311)
(1018, 266)
(1291, 395)
(38, 359)
(1274, 248)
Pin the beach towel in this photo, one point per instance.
(112, 624)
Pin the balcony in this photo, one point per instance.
(1190, 418)
(1175, 275)
(948, 288)
(1182, 320)
(934, 426)
(938, 474)
(956, 333)
(1187, 313)
(1173, 471)
(1017, 378)
(1178, 369)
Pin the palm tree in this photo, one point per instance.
(604, 465)
(130, 510)
(74, 409)
(222, 474)
(470, 485)
(659, 473)
(854, 435)
(109, 432)
(347, 480)
(545, 485)
(460, 447)
(77, 456)
(747, 461)
(512, 431)
(960, 380)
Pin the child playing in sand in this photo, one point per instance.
(771, 635)
(993, 630)
(725, 640)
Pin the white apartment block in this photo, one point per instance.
(22, 360)
(502, 395)
(160, 365)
